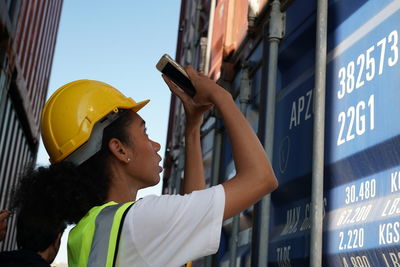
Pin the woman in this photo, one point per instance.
(96, 128)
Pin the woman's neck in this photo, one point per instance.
(121, 194)
(122, 187)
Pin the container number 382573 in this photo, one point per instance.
(369, 64)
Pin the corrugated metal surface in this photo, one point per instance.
(15, 154)
(193, 24)
(226, 39)
(229, 30)
(217, 42)
(236, 25)
(28, 42)
(34, 48)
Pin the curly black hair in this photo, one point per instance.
(48, 198)
(40, 207)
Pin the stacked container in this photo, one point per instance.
(28, 35)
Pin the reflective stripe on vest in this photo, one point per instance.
(94, 240)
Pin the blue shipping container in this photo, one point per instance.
(362, 139)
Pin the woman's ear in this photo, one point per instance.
(119, 150)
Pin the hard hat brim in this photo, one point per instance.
(138, 106)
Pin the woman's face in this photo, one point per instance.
(144, 161)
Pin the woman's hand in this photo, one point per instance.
(194, 107)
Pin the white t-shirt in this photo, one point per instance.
(170, 230)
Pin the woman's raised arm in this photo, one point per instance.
(254, 175)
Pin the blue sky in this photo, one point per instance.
(118, 42)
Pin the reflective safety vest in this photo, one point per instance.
(93, 242)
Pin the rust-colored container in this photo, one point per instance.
(28, 32)
(218, 36)
(236, 26)
(33, 50)
(229, 30)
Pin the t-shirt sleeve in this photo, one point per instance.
(170, 230)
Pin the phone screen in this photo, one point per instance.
(179, 79)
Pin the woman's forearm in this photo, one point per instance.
(194, 170)
(254, 175)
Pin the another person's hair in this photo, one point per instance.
(49, 198)
(39, 216)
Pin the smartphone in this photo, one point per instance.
(176, 73)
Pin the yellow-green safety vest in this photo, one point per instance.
(93, 242)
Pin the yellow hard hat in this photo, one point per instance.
(71, 113)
